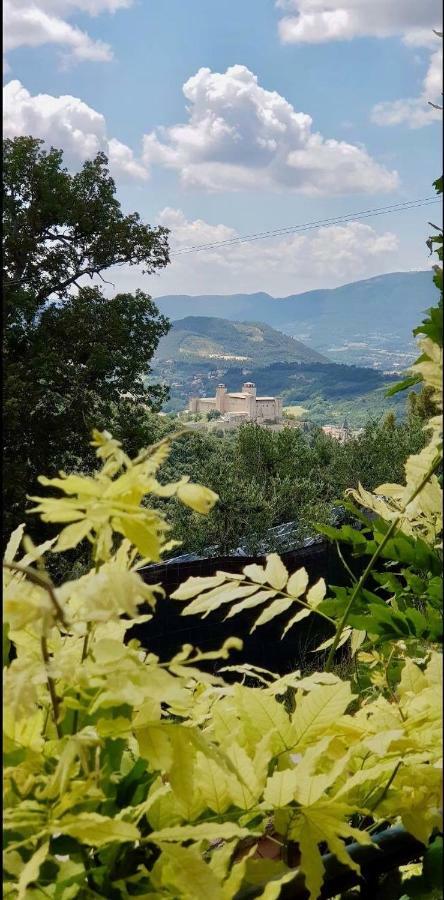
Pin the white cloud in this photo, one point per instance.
(241, 136)
(319, 21)
(283, 265)
(32, 23)
(67, 123)
(415, 111)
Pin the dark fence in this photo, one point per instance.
(169, 629)
(391, 848)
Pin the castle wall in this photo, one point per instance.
(266, 409)
(235, 404)
(201, 404)
(247, 404)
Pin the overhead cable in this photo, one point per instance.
(307, 226)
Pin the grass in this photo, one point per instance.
(295, 411)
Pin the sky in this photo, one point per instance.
(226, 119)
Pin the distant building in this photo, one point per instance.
(341, 433)
(242, 407)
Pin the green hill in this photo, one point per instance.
(367, 322)
(221, 342)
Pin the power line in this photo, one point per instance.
(307, 226)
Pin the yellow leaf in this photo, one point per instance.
(200, 499)
(434, 669)
(196, 585)
(344, 638)
(316, 593)
(213, 784)
(357, 638)
(72, 535)
(274, 609)
(297, 583)
(190, 875)
(148, 713)
(162, 809)
(14, 543)
(212, 600)
(143, 536)
(73, 484)
(412, 679)
(31, 870)
(302, 614)
(273, 889)
(311, 860)
(155, 746)
(203, 831)
(251, 602)
(324, 821)
(280, 788)
(250, 776)
(275, 572)
(255, 573)
(317, 711)
(96, 830)
(262, 714)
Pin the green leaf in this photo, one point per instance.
(403, 385)
(433, 863)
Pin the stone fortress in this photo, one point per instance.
(242, 407)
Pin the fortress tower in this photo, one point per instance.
(221, 392)
(249, 388)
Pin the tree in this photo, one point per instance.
(73, 357)
(421, 404)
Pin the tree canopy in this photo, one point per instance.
(73, 356)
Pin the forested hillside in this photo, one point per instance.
(197, 338)
(367, 322)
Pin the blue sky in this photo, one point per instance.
(235, 155)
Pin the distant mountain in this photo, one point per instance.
(366, 322)
(198, 339)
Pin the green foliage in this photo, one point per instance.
(125, 775)
(266, 478)
(73, 357)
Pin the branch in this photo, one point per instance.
(41, 581)
(51, 686)
(105, 281)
